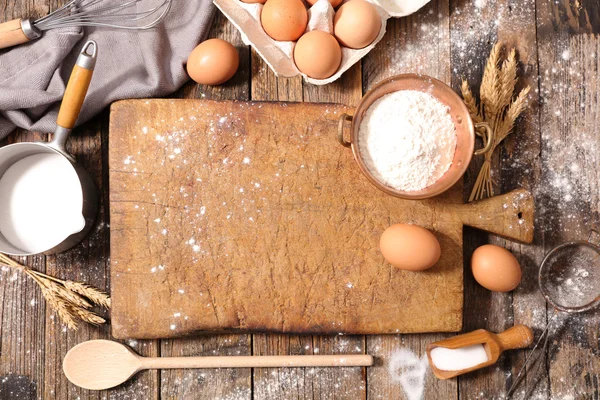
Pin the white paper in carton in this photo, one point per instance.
(279, 55)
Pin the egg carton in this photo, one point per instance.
(279, 55)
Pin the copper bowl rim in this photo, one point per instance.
(447, 96)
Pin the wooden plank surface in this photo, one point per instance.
(296, 383)
(545, 33)
(569, 74)
(474, 29)
(230, 384)
(178, 232)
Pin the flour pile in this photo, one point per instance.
(407, 140)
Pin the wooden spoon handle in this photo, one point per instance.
(11, 34)
(257, 361)
(517, 337)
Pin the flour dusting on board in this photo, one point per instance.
(410, 370)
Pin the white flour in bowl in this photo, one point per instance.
(407, 140)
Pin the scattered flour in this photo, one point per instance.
(407, 140)
(410, 370)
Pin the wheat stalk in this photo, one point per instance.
(496, 107)
(490, 85)
(87, 316)
(70, 300)
(508, 79)
(470, 102)
(96, 296)
(512, 113)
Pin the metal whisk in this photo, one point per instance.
(76, 13)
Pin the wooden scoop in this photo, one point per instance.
(103, 364)
(517, 337)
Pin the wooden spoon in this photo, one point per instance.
(517, 337)
(103, 364)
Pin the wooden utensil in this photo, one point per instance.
(251, 217)
(103, 364)
(80, 13)
(517, 337)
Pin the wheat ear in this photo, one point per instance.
(490, 85)
(67, 298)
(497, 108)
(98, 297)
(512, 113)
(470, 102)
(508, 79)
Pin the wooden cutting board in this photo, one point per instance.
(234, 216)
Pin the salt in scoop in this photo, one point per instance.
(517, 337)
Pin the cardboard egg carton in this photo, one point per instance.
(279, 55)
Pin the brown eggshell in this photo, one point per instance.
(254, 1)
(284, 20)
(356, 24)
(213, 62)
(318, 54)
(410, 247)
(334, 3)
(495, 268)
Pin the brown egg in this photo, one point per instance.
(284, 20)
(334, 3)
(495, 268)
(254, 1)
(409, 247)
(356, 24)
(213, 62)
(318, 55)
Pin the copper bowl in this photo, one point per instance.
(465, 131)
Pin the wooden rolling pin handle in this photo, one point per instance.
(517, 337)
(11, 34)
(78, 85)
(257, 361)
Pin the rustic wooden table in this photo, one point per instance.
(554, 153)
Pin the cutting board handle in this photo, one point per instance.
(509, 215)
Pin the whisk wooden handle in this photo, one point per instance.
(11, 34)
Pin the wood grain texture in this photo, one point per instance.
(307, 383)
(569, 370)
(172, 222)
(220, 383)
(568, 47)
(515, 164)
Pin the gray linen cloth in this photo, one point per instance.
(131, 64)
